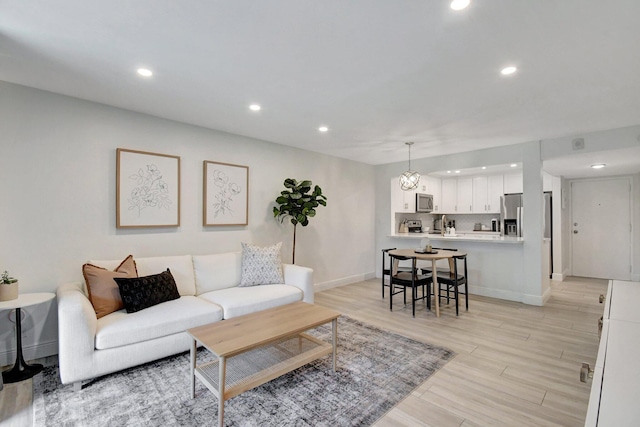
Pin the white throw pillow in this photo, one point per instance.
(261, 266)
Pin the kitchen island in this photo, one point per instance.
(495, 263)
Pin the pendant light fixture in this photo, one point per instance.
(409, 179)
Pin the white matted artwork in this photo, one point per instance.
(147, 189)
(226, 194)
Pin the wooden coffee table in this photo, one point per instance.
(256, 348)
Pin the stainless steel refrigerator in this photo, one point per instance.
(511, 213)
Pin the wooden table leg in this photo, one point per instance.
(193, 369)
(435, 286)
(334, 341)
(222, 372)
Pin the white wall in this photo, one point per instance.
(57, 198)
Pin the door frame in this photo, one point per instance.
(632, 224)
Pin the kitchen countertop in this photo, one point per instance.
(469, 236)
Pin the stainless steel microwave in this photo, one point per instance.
(424, 202)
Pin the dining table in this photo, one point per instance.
(433, 256)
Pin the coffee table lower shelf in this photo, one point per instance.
(260, 365)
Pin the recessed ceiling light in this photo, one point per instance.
(484, 167)
(145, 72)
(457, 171)
(598, 166)
(513, 165)
(323, 128)
(254, 107)
(508, 70)
(459, 4)
(448, 171)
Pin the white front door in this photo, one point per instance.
(601, 228)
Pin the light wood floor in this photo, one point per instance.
(516, 365)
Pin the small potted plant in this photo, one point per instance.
(8, 287)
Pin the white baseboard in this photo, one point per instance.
(558, 277)
(538, 300)
(30, 352)
(318, 287)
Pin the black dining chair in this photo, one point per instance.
(449, 281)
(401, 280)
(427, 270)
(386, 272)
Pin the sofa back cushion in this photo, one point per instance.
(218, 271)
(181, 268)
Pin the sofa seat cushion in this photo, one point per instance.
(239, 301)
(119, 328)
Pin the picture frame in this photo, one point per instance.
(147, 189)
(225, 195)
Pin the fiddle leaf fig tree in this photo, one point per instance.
(298, 203)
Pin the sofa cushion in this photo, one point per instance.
(138, 293)
(102, 290)
(218, 271)
(261, 266)
(119, 328)
(238, 301)
(181, 268)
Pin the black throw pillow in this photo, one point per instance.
(138, 293)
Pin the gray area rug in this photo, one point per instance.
(376, 369)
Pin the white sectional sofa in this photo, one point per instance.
(208, 286)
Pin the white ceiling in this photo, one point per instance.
(376, 72)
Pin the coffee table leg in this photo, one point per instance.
(334, 340)
(222, 371)
(193, 368)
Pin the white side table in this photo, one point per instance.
(21, 371)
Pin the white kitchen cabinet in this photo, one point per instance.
(480, 194)
(434, 187)
(487, 190)
(464, 199)
(449, 195)
(513, 183)
(402, 201)
(495, 191)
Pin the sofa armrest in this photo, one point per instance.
(77, 324)
(300, 277)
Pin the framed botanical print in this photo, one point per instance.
(226, 194)
(147, 189)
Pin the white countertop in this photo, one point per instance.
(470, 236)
